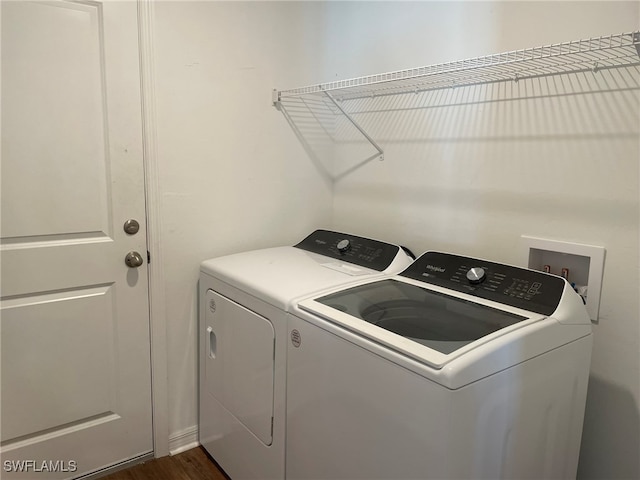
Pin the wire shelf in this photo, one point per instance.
(341, 121)
(605, 52)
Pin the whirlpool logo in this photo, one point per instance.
(433, 268)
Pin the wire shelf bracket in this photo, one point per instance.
(276, 100)
(355, 124)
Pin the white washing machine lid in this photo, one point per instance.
(456, 333)
(429, 324)
(280, 275)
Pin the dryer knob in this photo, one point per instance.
(344, 246)
(476, 275)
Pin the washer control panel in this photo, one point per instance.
(350, 248)
(519, 287)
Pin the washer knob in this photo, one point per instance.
(344, 246)
(476, 275)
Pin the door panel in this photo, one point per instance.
(74, 373)
(75, 350)
(240, 363)
(55, 88)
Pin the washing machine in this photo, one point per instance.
(457, 368)
(243, 336)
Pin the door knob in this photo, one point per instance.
(133, 259)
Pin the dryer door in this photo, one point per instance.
(240, 363)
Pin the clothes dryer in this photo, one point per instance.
(456, 368)
(243, 336)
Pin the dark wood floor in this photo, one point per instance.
(193, 464)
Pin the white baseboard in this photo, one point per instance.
(184, 440)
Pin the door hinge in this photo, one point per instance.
(148, 256)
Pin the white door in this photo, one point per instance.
(75, 350)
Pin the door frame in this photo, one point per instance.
(157, 312)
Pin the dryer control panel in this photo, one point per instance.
(519, 287)
(351, 248)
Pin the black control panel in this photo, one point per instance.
(527, 289)
(350, 248)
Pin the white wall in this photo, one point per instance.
(468, 179)
(232, 176)
(472, 177)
